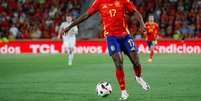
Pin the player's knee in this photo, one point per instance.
(119, 64)
(151, 48)
(135, 59)
(118, 60)
(136, 65)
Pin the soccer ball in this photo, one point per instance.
(103, 89)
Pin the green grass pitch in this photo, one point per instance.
(48, 78)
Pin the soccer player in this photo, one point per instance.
(69, 38)
(118, 37)
(151, 36)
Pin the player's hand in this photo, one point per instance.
(146, 38)
(142, 28)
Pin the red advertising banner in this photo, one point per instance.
(96, 47)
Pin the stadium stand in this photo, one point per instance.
(177, 18)
(36, 19)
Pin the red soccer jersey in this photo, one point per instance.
(113, 15)
(152, 31)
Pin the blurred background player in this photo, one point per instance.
(69, 38)
(114, 26)
(151, 35)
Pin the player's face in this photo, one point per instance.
(151, 18)
(69, 19)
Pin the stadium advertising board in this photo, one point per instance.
(96, 47)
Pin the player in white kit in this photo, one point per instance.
(69, 39)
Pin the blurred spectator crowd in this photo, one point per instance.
(34, 19)
(177, 19)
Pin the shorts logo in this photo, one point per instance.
(112, 48)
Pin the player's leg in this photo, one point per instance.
(66, 49)
(132, 52)
(70, 56)
(71, 51)
(151, 46)
(117, 56)
(137, 67)
(118, 61)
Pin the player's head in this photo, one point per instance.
(151, 18)
(69, 18)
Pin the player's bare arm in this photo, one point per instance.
(140, 19)
(82, 18)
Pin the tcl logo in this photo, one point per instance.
(45, 48)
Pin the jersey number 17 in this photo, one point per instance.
(112, 12)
